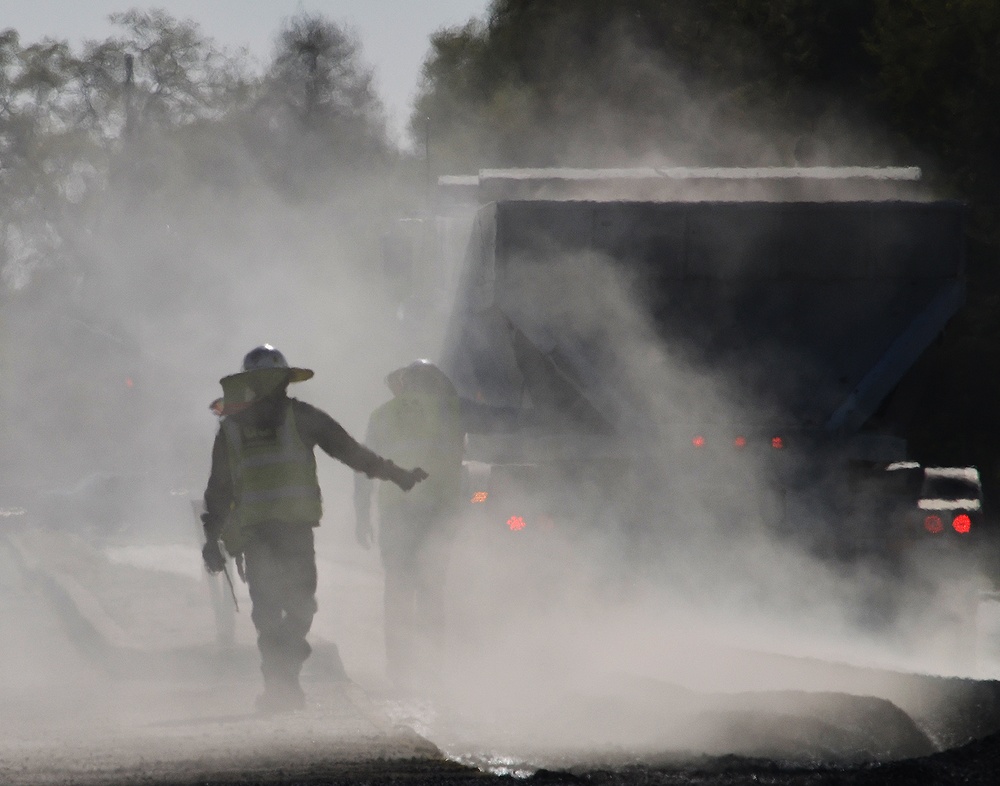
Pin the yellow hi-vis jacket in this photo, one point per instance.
(417, 429)
(274, 474)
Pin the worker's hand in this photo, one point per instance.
(409, 479)
(215, 560)
(363, 532)
(406, 479)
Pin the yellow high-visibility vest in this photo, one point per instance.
(274, 473)
(419, 430)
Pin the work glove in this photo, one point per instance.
(363, 531)
(215, 560)
(406, 479)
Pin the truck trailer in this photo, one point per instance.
(714, 364)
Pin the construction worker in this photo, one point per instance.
(263, 498)
(424, 419)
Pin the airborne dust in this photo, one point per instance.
(170, 267)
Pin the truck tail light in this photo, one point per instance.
(479, 496)
(778, 443)
(933, 524)
(740, 442)
(698, 441)
(962, 523)
(516, 523)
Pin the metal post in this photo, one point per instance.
(129, 96)
(427, 163)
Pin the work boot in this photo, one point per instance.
(280, 697)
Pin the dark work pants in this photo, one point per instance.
(281, 576)
(415, 549)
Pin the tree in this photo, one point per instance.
(317, 112)
(159, 72)
(938, 77)
(107, 144)
(594, 83)
(37, 154)
(589, 83)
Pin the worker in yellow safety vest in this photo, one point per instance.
(263, 501)
(422, 422)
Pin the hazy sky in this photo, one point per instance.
(394, 33)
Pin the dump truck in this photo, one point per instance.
(717, 355)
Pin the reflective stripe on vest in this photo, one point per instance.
(274, 473)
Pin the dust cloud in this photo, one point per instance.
(183, 258)
(613, 616)
(607, 628)
(621, 611)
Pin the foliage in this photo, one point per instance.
(637, 80)
(720, 81)
(157, 112)
(157, 73)
(38, 154)
(938, 78)
(319, 73)
(317, 111)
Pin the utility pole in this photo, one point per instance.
(129, 88)
(428, 191)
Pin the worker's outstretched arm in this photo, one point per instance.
(319, 428)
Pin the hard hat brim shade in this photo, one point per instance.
(294, 375)
(301, 374)
(242, 389)
(434, 380)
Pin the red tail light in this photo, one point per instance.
(129, 383)
(516, 523)
(479, 496)
(698, 441)
(740, 442)
(778, 443)
(933, 524)
(962, 523)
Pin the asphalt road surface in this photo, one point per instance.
(79, 707)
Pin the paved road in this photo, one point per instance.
(77, 706)
(44, 682)
(72, 713)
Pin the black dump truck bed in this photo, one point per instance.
(695, 377)
(811, 311)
